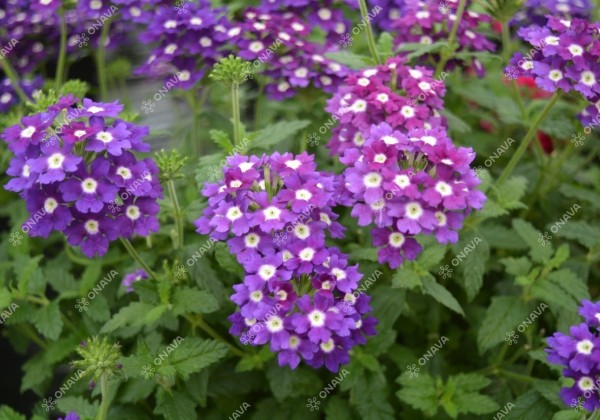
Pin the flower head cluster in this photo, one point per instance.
(579, 353)
(401, 96)
(280, 41)
(75, 170)
(71, 416)
(426, 23)
(130, 278)
(8, 96)
(536, 11)
(565, 55)
(181, 38)
(275, 212)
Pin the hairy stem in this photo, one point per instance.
(364, 12)
(178, 213)
(134, 254)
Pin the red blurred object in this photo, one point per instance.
(487, 126)
(546, 142)
(497, 26)
(529, 88)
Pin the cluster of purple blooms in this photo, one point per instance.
(74, 168)
(579, 353)
(566, 55)
(131, 278)
(298, 294)
(536, 11)
(71, 416)
(8, 96)
(280, 41)
(403, 173)
(428, 22)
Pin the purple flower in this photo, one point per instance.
(92, 232)
(90, 190)
(130, 278)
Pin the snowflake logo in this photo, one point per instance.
(511, 338)
(181, 272)
(15, 238)
(445, 272)
(114, 207)
(544, 238)
(148, 371)
(82, 40)
(280, 238)
(48, 404)
(479, 172)
(412, 371)
(82, 304)
(577, 139)
(181, 9)
(214, 173)
(247, 338)
(345, 306)
(248, 74)
(346, 40)
(313, 139)
(313, 404)
(577, 404)
(445, 8)
(511, 73)
(148, 106)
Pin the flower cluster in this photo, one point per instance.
(297, 294)
(8, 96)
(180, 38)
(71, 416)
(579, 353)
(565, 56)
(74, 169)
(130, 278)
(280, 40)
(426, 23)
(536, 11)
(401, 96)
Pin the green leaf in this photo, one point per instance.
(419, 49)
(462, 394)
(133, 315)
(194, 301)
(194, 354)
(48, 320)
(337, 408)
(354, 61)
(174, 405)
(222, 140)
(569, 415)
(419, 392)
(226, 260)
(516, 266)
(441, 294)
(406, 278)
(550, 390)
(582, 232)
(25, 269)
(531, 406)
(385, 44)
(7, 413)
(502, 316)
(432, 256)
(78, 404)
(253, 361)
(276, 133)
(570, 283)
(533, 238)
(208, 167)
(286, 383)
(511, 192)
(473, 265)
(455, 123)
(5, 298)
(369, 396)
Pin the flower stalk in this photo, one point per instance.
(364, 12)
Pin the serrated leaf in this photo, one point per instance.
(77, 404)
(441, 294)
(337, 408)
(530, 406)
(98, 309)
(419, 392)
(174, 405)
(369, 396)
(25, 267)
(511, 191)
(194, 354)
(208, 167)
(226, 260)
(417, 49)
(582, 232)
(7, 413)
(5, 298)
(286, 383)
(48, 320)
(222, 140)
(533, 238)
(432, 256)
(194, 301)
(385, 44)
(517, 266)
(473, 265)
(133, 315)
(276, 133)
(570, 283)
(354, 61)
(455, 123)
(568, 415)
(550, 390)
(502, 316)
(406, 278)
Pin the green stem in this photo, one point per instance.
(237, 123)
(364, 12)
(102, 81)
(595, 415)
(210, 331)
(527, 140)
(587, 161)
(177, 211)
(506, 42)
(516, 376)
(28, 331)
(62, 53)
(103, 411)
(134, 254)
(452, 46)
(14, 79)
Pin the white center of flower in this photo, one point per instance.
(338, 273)
(297, 27)
(585, 347)
(5, 98)
(567, 23)
(370, 72)
(383, 98)
(422, 14)
(555, 75)
(324, 14)
(358, 139)
(426, 40)
(79, 133)
(306, 254)
(359, 106)
(251, 240)
(363, 81)
(372, 180)
(133, 212)
(302, 231)
(416, 74)
(50, 205)
(196, 21)
(585, 383)
(272, 213)
(389, 140)
(95, 109)
(135, 11)
(575, 50)
(245, 166)
(286, 255)
(441, 217)
(233, 213)
(325, 218)
(588, 78)
(303, 195)
(236, 183)
(25, 171)
(316, 318)
(104, 137)
(91, 227)
(256, 46)
(266, 271)
(170, 49)
(256, 296)
(170, 24)
(326, 80)
(413, 210)
(205, 41)
(56, 160)
(293, 164)
(28, 132)
(249, 321)
(396, 239)
(89, 185)
(283, 86)
(294, 342)
(527, 65)
(407, 111)
(124, 172)
(402, 181)
(301, 72)
(378, 205)
(380, 158)
(275, 324)
(551, 40)
(598, 316)
(430, 140)
(470, 34)
(443, 188)
(234, 32)
(327, 346)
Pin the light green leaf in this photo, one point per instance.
(133, 315)
(432, 256)
(174, 405)
(502, 316)
(582, 232)
(194, 354)
(531, 406)
(406, 278)
(473, 266)
(516, 266)
(534, 239)
(222, 140)
(194, 301)
(441, 294)
(286, 383)
(7, 413)
(354, 61)
(78, 404)
(276, 133)
(421, 49)
(48, 320)
(419, 392)
(511, 192)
